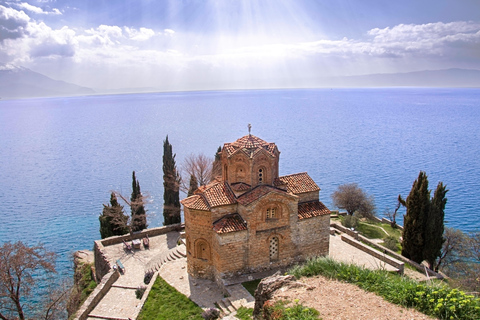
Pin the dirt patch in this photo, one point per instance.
(343, 301)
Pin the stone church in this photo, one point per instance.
(251, 219)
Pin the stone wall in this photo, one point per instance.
(417, 266)
(102, 264)
(308, 196)
(313, 236)
(375, 253)
(94, 298)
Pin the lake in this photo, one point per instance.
(61, 157)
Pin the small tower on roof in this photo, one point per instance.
(250, 161)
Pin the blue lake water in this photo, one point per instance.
(61, 157)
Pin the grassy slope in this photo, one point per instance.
(165, 303)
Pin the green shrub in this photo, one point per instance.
(211, 314)
(140, 291)
(391, 243)
(283, 310)
(350, 222)
(436, 300)
(244, 313)
(251, 286)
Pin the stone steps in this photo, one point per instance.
(176, 253)
(226, 307)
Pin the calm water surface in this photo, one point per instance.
(61, 157)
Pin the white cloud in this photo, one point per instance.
(142, 34)
(12, 23)
(34, 9)
(119, 55)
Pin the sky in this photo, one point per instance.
(234, 44)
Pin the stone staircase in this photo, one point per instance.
(238, 297)
(179, 252)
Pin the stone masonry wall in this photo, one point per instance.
(102, 266)
(313, 236)
(198, 228)
(308, 196)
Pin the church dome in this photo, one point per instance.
(249, 144)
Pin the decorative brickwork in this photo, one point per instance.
(251, 219)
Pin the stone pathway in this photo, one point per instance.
(342, 251)
(168, 259)
(120, 302)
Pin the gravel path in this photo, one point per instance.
(342, 301)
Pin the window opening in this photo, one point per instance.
(260, 175)
(271, 213)
(274, 248)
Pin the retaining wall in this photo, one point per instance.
(94, 298)
(102, 264)
(103, 269)
(375, 253)
(419, 267)
(395, 255)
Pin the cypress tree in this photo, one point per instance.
(418, 207)
(435, 226)
(139, 219)
(113, 221)
(217, 164)
(193, 185)
(171, 186)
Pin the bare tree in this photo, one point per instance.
(20, 269)
(393, 215)
(200, 166)
(353, 199)
(452, 249)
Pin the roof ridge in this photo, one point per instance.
(292, 174)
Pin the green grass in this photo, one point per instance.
(244, 313)
(165, 303)
(87, 283)
(251, 286)
(370, 231)
(285, 310)
(437, 300)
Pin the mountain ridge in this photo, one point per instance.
(19, 82)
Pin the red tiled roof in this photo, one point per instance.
(256, 193)
(311, 209)
(218, 194)
(196, 202)
(230, 223)
(240, 186)
(298, 183)
(251, 145)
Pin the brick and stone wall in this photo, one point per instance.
(313, 236)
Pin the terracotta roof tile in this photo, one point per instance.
(256, 193)
(311, 209)
(218, 194)
(298, 183)
(251, 145)
(196, 202)
(240, 186)
(230, 223)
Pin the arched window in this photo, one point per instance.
(272, 213)
(202, 250)
(274, 248)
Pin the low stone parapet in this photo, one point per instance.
(375, 253)
(352, 233)
(417, 266)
